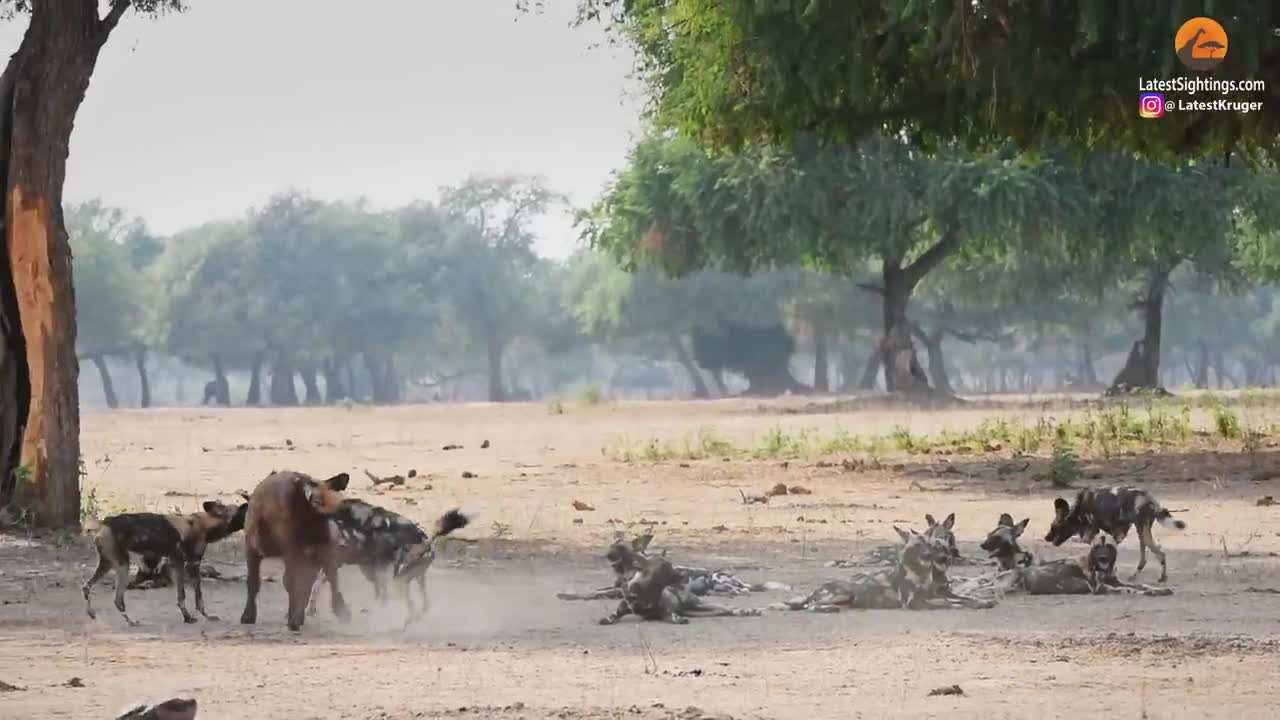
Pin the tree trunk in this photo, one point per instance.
(700, 390)
(1201, 379)
(821, 379)
(144, 381)
(41, 90)
(902, 371)
(1141, 370)
(283, 391)
(108, 387)
(870, 371)
(1088, 372)
(217, 390)
(310, 383)
(334, 386)
(493, 350)
(937, 364)
(254, 396)
(718, 378)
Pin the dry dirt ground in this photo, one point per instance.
(499, 644)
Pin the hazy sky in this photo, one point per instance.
(202, 115)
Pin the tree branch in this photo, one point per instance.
(111, 19)
(934, 256)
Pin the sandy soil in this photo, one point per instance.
(498, 643)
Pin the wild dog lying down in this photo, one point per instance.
(653, 590)
(181, 539)
(1092, 572)
(387, 546)
(175, 709)
(289, 518)
(1113, 511)
(698, 581)
(888, 554)
(918, 582)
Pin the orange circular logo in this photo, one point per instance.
(1201, 44)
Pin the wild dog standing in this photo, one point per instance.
(1113, 511)
(153, 570)
(654, 591)
(386, 545)
(911, 585)
(181, 539)
(1092, 572)
(289, 518)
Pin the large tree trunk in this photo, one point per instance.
(1088, 374)
(870, 371)
(902, 371)
(283, 391)
(218, 390)
(144, 381)
(686, 361)
(493, 350)
(1201, 377)
(254, 396)
(310, 383)
(334, 387)
(384, 384)
(1141, 369)
(40, 92)
(937, 364)
(108, 387)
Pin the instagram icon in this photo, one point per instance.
(1151, 105)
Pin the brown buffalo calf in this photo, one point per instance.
(288, 518)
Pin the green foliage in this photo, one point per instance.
(111, 254)
(1064, 468)
(733, 72)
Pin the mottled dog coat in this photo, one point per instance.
(913, 584)
(181, 539)
(1113, 511)
(387, 547)
(653, 590)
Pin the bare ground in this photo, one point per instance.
(497, 643)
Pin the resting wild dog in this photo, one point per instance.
(913, 584)
(698, 581)
(654, 591)
(1092, 572)
(289, 518)
(181, 539)
(175, 709)
(383, 543)
(1113, 511)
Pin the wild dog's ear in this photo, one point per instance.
(641, 543)
(1061, 508)
(950, 522)
(906, 536)
(1005, 519)
(338, 482)
(1017, 529)
(213, 507)
(928, 518)
(243, 494)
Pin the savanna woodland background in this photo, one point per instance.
(935, 200)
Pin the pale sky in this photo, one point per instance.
(202, 115)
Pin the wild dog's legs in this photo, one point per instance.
(176, 564)
(1155, 550)
(1144, 532)
(329, 564)
(122, 581)
(422, 590)
(610, 593)
(104, 564)
(623, 610)
(315, 594)
(193, 569)
(252, 583)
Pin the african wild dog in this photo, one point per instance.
(175, 709)
(699, 581)
(913, 584)
(1113, 511)
(1002, 546)
(181, 539)
(289, 518)
(387, 546)
(153, 570)
(654, 591)
(1092, 572)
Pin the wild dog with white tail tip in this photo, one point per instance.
(1114, 511)
(181, 539)
(387, 547)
